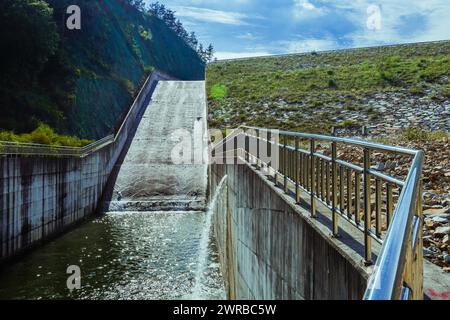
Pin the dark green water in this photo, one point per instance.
(121, 256)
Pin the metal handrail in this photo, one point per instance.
(398, 271)
(28, 149)
(354, 142)
(403, 235)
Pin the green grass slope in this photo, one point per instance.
(314, 91)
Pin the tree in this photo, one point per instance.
(192, 40)
(201, 52)
(210, 53)
(138, 4)
(34, 39)
(169, 18)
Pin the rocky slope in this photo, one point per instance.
(399, 95)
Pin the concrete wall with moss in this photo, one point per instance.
(270, 249)
(43, 196)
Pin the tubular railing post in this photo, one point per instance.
(416, 263)
(302, 170)
(257, 150)
(275, 178)
(367, 209)
(269, 150)
(297, 171)
(235, 161)
(247, 148)
(317, 177)
(327, 183)
(334, 189)
(357, 209)
(378, 199)
(349, 193)
(389, 204)
(224, 150)
(341, 189)
(322, 180)
(313, 180)
(307, 171)
(285, 165)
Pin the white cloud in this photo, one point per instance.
(303, 10)
(209, 15)
(221, 55)
(436, 14)
(304, 4)
(248, 36)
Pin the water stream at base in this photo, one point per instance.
(135, 255)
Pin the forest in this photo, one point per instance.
(63, 81)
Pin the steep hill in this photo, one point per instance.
(382, 87)
(401, 93)
(86, 79)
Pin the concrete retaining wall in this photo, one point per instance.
(269, 247)
(42, 196)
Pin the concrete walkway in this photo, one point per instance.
(157, 173)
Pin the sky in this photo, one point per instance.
(246, 28)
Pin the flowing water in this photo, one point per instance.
(133, 255)
(139, 255)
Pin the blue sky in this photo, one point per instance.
(243, 28)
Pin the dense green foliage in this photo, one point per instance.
(36, 82)
(168, 16)
(81, 82)
(43, 134)
(261, 91)
(218, 92)
(31, 22)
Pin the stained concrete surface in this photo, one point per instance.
(150, 177)
(42, 196)
(270, 248)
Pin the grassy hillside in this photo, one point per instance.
(86, 79)
(401, 93)
(313, 92)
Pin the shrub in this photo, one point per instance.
(347, 123)
(332, 84)
(219, 92)
(417, 134)
(43, 134)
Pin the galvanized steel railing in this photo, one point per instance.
(362, 196)
(30, 149)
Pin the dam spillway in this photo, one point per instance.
(152, 175)
(153, 238)
(151, 241)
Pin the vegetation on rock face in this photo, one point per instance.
(313, 92)
(43, 134)
(81, 82)
(400, 92)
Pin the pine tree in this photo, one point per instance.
(210, 53)
(193, 42)
(169, 18)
